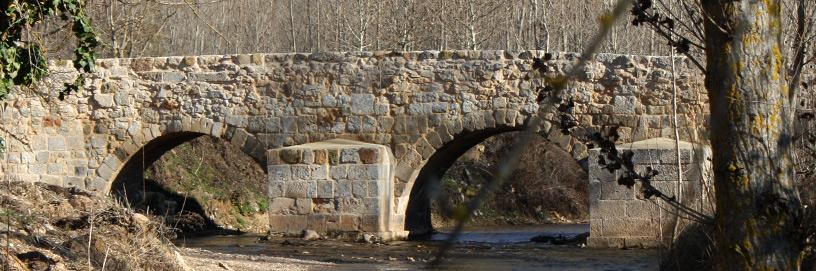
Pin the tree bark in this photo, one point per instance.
(292, 25)
(758, 207)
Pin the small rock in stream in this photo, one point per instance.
(367, 238)
(561, 239)
(310, 235)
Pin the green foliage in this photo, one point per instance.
(263, 204)
(2, 145)
(22, 61)
(16, 217)
(246, 207)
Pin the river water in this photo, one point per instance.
(499, 248)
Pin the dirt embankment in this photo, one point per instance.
(204, 186)
(53, 228)
(548, 186)
(44, 227)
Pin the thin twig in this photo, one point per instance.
(679, 194)
(510, 162)
(90, 238)
(195, 12)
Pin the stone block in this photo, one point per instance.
(624, 104)
(209, 76)
(74, 182)
(359, 189)
(350, 222)
(55, 169)
(280, 172)
(333, 223)
(343, 189)
(630, 227)
(325, 189)
(321, 157)
(370, 223)
(276, 189)
(349, 156)
(362, 104)
(374, 172)
(303, 206)
(369, 155)
(373, 189)
(324, 205)
(357, 172)
(319, 172)
(281, 205)
(350, 205)
(334, 157)
(317, 222)
(104, 100)
(291, 156)
(604, 209)
(642, 209)
(277, 223)
(338, 172)
(301, 172)
(56, 143)
(614, 191)
(301, 189)
(296, 224)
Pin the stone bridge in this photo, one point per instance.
(351, 140)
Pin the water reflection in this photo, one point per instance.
(513, 235)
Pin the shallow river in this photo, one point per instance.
(505, 248)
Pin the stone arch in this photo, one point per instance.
(413, 204)
(156, 139)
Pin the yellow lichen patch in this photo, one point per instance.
(751, 38)
(758, 124)
(744, 181)
(777, 62)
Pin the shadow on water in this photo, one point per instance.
(183, 214)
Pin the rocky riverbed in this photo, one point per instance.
(477, 249)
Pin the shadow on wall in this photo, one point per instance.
(428, 183)
(185, 215)
(548, 185)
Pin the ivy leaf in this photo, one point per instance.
(23, 62)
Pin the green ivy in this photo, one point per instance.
(22, 62)
(2, 146)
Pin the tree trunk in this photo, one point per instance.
(292, 25)
(758, 207)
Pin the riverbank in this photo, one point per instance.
(46, 227)
(205, 260)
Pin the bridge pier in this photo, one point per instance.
(622, 217)
(336, 186)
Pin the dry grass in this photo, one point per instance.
(70, 229)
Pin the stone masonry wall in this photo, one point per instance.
(411, 102)
(621, 217)
(332, 186)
